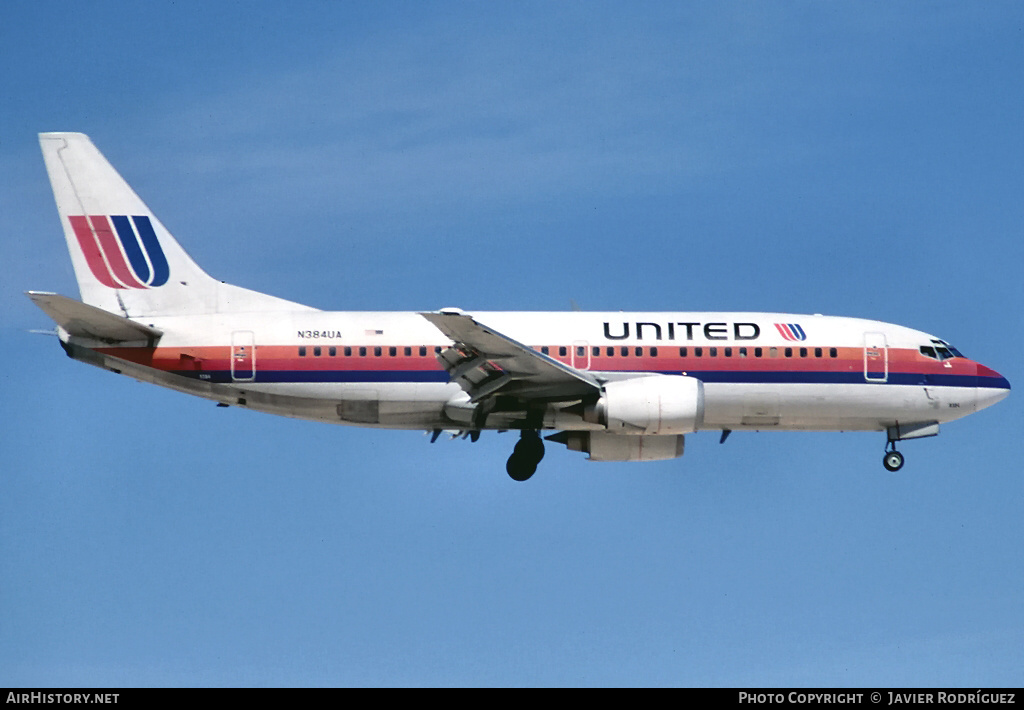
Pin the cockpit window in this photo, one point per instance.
(940, 350)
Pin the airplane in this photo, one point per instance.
(616, 386)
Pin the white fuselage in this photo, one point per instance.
(759, 370)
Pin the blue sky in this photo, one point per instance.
(857, 159)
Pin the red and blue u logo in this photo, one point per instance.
(791, 331)
(122, 252)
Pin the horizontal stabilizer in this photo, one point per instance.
(87, 321)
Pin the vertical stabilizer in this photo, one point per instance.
(125, 260)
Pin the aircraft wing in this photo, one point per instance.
(483, 362)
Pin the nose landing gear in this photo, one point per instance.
(893, 459)
(527, 454)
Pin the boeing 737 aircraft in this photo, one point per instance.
(618, 386)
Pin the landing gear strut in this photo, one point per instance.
(893, 459)
(524, 459)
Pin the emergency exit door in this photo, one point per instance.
(580, 355)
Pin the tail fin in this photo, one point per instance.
(125, 260)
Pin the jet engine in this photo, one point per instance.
(652, 405)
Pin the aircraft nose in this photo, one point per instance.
(992, 387)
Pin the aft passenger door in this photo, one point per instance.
(876, 358)
(243, 356)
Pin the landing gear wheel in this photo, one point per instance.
(893, 460)
(524, 459)
(520, 469)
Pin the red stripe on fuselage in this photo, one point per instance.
(271, 358)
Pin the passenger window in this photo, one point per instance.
(803, 352)
(580, 351)
(728, 352)
(624, 351)
(639, 352)
(713, 352)
(832, 352)
(609, 351)
(817, 352)
(654, 352)
(544, 349)
(377, 351)
(789, 352)
(773, 352)
(758, 352)
(698, 352)
(392, 351)
(332, 351)
(316, 351)
(302, 351)
(596, 351)
(362, 352)
(408, 351)
(348, 352)
(743, 352)
(423, 351)
(561, 351)
(682, 352)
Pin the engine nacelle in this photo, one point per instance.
(653, 405)
(605, 446)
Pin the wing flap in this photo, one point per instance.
(484, 363)
(87, 321)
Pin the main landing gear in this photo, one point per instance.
(524, 459)
(893, 459)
